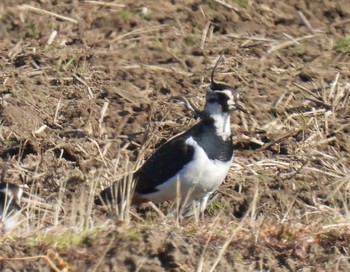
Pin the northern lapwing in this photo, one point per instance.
(10, 196)
(192, 165)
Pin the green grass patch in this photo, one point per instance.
(210, 4)
(190, 40)
(9, 143)
(65, 239)
(242, 3)
(215, 206)
(125, 15)
(64, 65)
(32, 30)
(157, 43)
(343, 43)
(133, 234)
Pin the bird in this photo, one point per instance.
(10, 197)
(192, 165)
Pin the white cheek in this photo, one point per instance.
(231, 104)
(229, 94)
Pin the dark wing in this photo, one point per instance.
(10, 204)
(169, 159)
(162, 165)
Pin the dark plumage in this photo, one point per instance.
(194, 163)
(10, 195)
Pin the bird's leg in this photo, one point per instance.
(176, 214)
(203, 205)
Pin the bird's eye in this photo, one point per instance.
(212, 100)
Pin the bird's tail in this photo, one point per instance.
(120, 192)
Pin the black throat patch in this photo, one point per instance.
(215, 146)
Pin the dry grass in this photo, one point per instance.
(76, 218)
(81, 111)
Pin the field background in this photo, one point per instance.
(81, 109)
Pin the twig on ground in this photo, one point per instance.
(43, 11)
(305, 21)
(289, 43)
(102, 3)
(204, 34)
(63, 266)
(226, 5)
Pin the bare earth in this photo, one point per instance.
(84, 108)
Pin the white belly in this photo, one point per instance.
(198, 178)
(9, 220)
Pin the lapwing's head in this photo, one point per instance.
(220, 97)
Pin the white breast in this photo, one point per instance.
(200, 177)
(8, 220)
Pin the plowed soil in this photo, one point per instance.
(90, 89)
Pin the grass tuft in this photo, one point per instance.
(66, 239)
(343, 43)
(242, 3)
